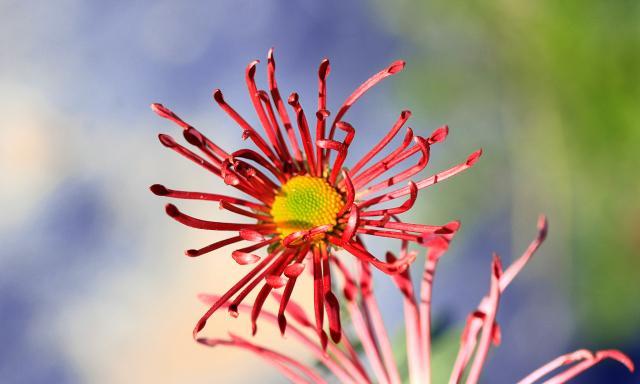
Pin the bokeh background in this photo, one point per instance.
(93, 284)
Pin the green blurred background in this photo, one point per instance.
(551, 90)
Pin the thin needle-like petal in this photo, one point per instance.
(487, 327)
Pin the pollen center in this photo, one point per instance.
(305, 202)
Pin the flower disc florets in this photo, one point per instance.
(305, 202)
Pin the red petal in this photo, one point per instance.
(439, 134)
(294, 270)
(244, 258)
(276, 281)
(496, 335)
(474, 157)
(250, 235)
(396, 66)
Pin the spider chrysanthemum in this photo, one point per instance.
(305, 203)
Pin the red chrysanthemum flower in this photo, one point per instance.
(305, 203)
(480, 333)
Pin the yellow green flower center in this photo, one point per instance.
(305, 202)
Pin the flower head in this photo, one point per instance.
(303, 202)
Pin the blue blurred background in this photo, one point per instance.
(93, 287)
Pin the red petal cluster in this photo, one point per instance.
(288, 148)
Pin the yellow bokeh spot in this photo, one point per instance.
(305, 202)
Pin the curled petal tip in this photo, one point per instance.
(449, 228)
(333, 310)
(159, 190)
(293, 98)
(217, 95)
(454, 225)
(251, 68)
(325, 68)
(276, 281)
(496, 335)
(166, 140)
(282, 323)
(496, 265)
(244, 258)
(270, 61)
(439, 134)
(336, 336)
(474, 157)
(193, 137)
(617, 355)
(199, 326)
(161, 110)
(171, 210)
(543, 226)
(294, 270)
(191, 252)
(396, 66)
(409, 134)
(324, 340)
(205, 341)
(405, 114)
(251, 235)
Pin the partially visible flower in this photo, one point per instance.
(303, 202)
(480, 333)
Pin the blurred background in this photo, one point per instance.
(93, 284)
